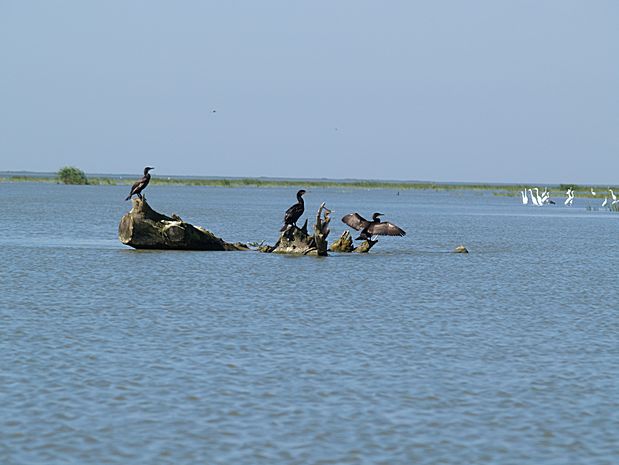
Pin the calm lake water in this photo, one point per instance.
(407, 355)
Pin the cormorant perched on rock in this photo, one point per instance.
(294, 212)
(141, 184)
(372, 228)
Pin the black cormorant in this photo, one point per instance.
(372, 228)
(141, 184)
(294, 212)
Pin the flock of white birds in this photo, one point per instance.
(539, 200)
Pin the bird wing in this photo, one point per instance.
(140, 184)
(136, 186)
(385, 229)
(293, 213)
(355, 221)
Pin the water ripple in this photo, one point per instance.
(407, 355)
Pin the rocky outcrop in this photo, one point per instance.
(144, 228)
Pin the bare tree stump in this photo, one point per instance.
(321, 230)
(144, 228)
(345, 244)
(298, 241)
(365, 246)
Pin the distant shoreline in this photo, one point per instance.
(122, 180)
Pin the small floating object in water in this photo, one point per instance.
(460, 249)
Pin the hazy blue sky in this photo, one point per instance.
(507, 91)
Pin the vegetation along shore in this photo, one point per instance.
(71, 175)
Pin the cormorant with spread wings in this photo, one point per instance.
(376, 227)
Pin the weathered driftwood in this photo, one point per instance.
(345, 244)
(144, 228)
(299, 241)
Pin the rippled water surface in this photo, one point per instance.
(410, 354)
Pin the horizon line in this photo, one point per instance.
(28, 173)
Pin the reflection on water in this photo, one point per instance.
(405, 355)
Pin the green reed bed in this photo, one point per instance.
(354, 184)
(557, 191)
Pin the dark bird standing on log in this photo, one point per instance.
(294, 212)
(141, 184)
(372, 228)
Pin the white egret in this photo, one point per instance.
(540, 202)
(533, 199)
(570, 197)
(592, 192)
(605, 202)
(612, 194)
(525, 199)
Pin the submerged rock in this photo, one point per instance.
(144, 228)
